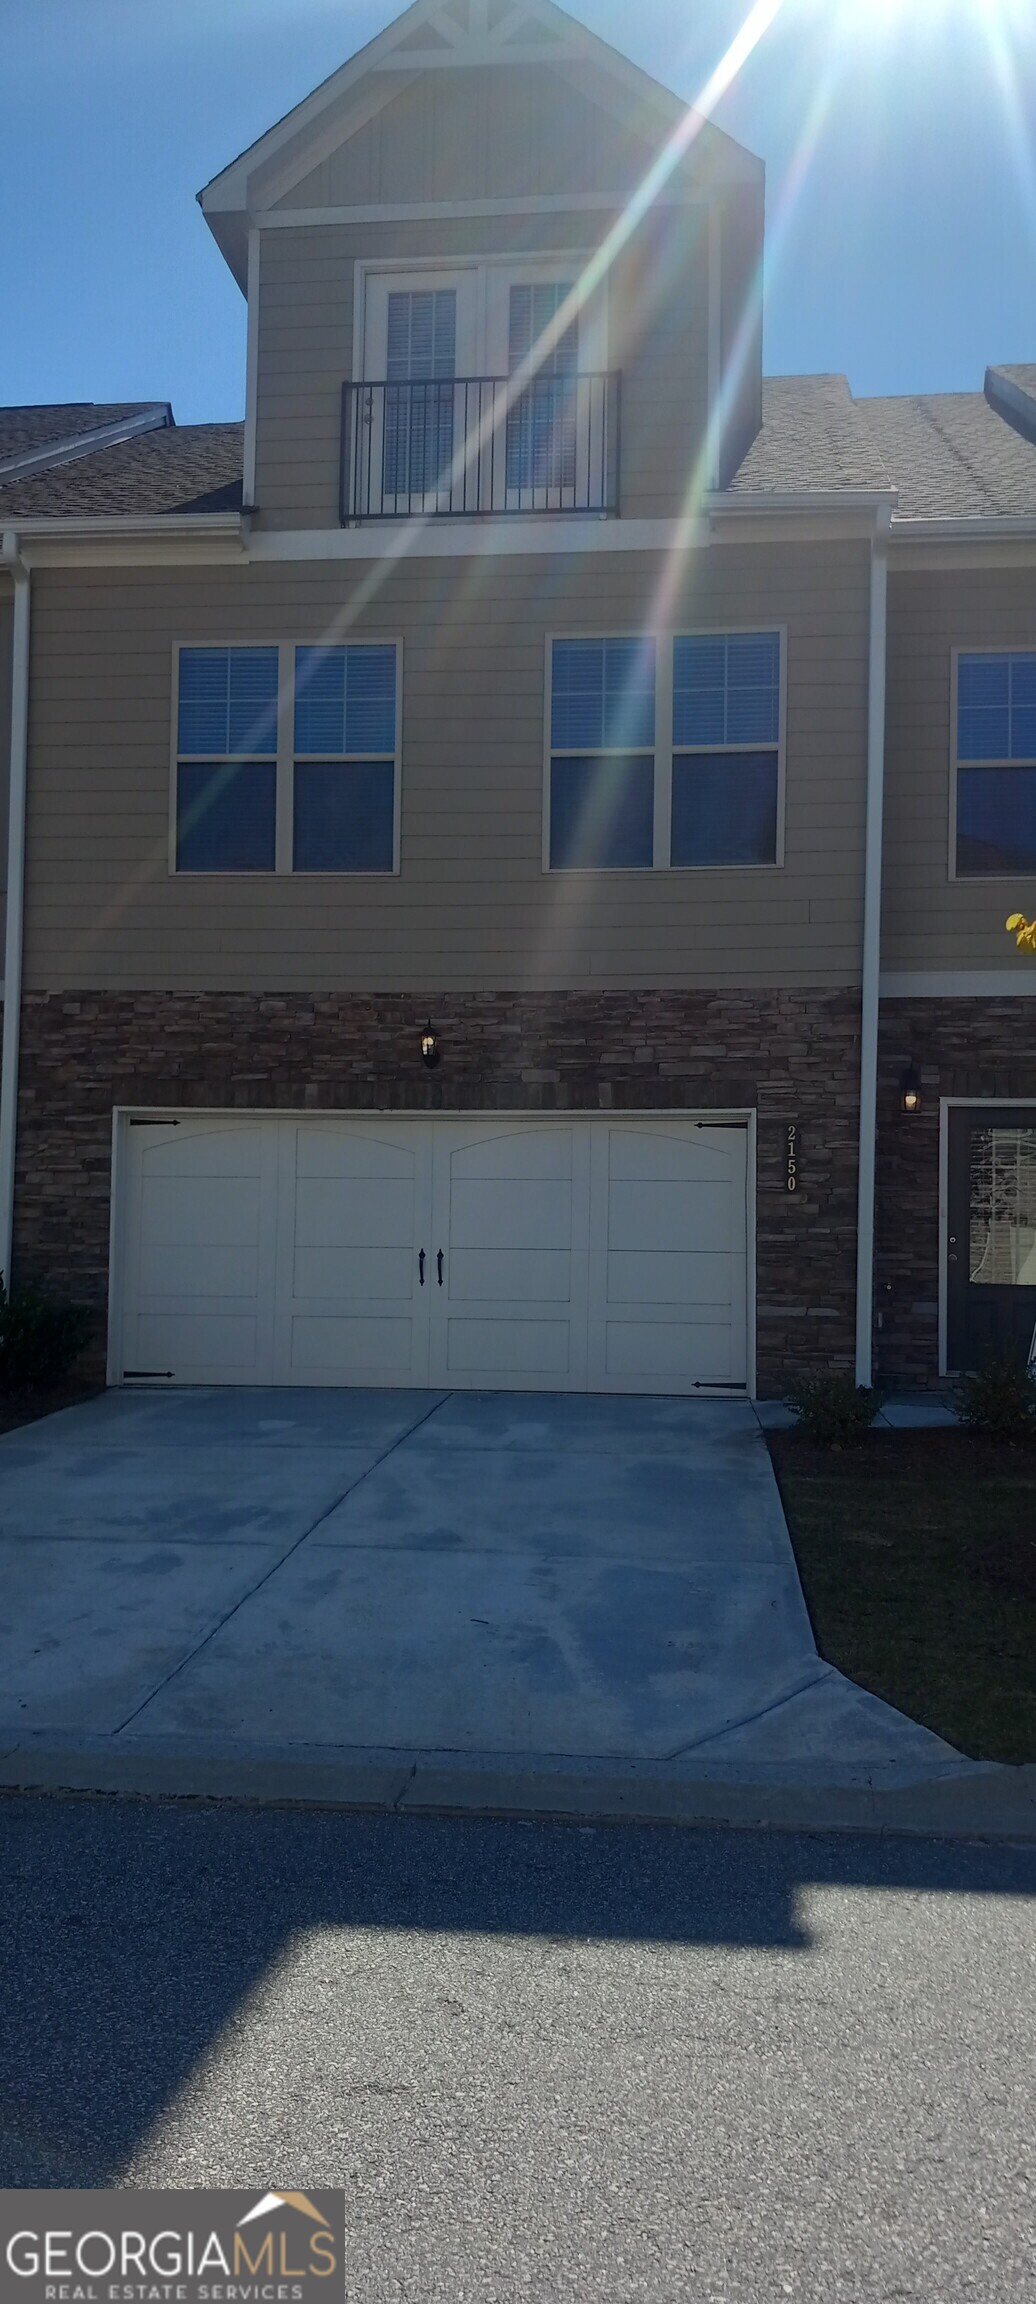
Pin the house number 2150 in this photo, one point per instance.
(793, 1156)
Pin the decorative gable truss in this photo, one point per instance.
(479, 32)
(436, 36)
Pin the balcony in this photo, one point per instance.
(478, 447)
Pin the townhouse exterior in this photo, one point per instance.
(509, 849)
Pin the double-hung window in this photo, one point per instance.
(287, 758)
(665, 752)
(726, 747)
(345, 759)
(995, 760)
(602, 753)
(226, 760)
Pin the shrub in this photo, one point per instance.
(833, 1410)
(39, 1340)
(999, 1401)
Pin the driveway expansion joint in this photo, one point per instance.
(273, 1570)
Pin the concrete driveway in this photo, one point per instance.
(492, 1575)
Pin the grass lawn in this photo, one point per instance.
(917, 1553)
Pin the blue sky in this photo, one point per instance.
(898, 135)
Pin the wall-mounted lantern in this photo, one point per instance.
(429, 1047)
(910, 1090)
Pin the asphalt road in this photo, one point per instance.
(543, 2062)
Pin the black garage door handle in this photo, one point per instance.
(420, 1266)
(439, 1260)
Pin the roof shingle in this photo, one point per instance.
(814, 435)
(23, 430)
(185, 468)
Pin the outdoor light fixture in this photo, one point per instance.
(429, 1047)
(910, 1088)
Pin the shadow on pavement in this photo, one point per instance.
(132, 1933)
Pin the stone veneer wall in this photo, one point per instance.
(794, 1056)
(976, 1048)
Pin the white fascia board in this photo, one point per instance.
(131, 524)
(96, 542)
(441, 539)
(799, 500)
(985, 526)
(157, 417)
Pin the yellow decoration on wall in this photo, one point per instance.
(1023, 930)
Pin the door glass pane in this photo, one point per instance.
(541, 427)
(1002, 1237)
(422, 361)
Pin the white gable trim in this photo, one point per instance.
(566, 42)
(444, 211)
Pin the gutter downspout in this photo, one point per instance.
(871, 948)
(10, 558)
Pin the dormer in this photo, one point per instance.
(493, 269)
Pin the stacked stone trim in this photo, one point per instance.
(790, 1056)
(968, 1048)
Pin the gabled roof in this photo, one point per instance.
(34, 437)
(814, 435)
(953, 456)
(434, 35)
(182, 468)
(947, 455)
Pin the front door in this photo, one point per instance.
(991, 1246)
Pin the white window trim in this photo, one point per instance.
(665, 752)
(979, 879)
(948, 1104)
(554, 264)
(284, 829)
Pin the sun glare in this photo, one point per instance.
(864, 16)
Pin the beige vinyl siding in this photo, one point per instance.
(933, 922)
(471, 908)
(505, 132)
(658, 337)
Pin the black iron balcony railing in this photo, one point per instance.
(473, 446)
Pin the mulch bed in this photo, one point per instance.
(17, 1408)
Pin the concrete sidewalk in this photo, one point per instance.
(528, 1603)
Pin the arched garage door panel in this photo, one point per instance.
(571, 1255)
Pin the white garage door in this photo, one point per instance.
(583, 1255)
